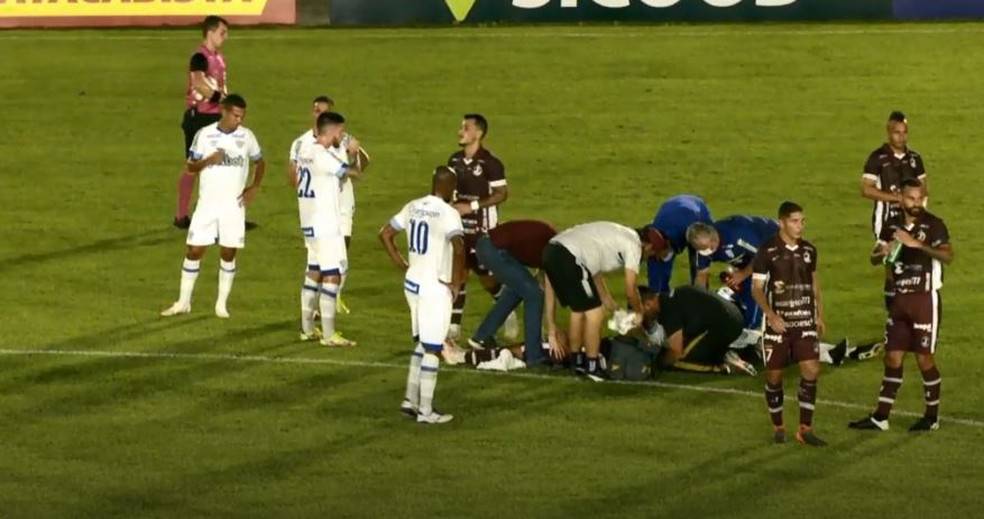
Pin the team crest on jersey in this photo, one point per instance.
(912, 162)
(240, 143)
(478, 170)
(806, 257)
(921, 236)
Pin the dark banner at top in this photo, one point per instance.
(402, 12)
(938, 9)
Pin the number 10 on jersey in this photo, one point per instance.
(419, 232)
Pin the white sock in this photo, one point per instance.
(309, 298)
(428, 381)
(327, 301)
(227, 273)
(189, 274)
(413, 376)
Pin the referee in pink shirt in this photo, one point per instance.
(207, 87)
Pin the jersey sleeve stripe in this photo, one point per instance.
(869, 176)
(497, 183)
(455, 233)
(760, 277)
(394, 223)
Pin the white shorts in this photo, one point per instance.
(430, 312)
(345, 224)
(327, 254)
(225, 225)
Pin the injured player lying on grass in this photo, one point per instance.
(706, 337)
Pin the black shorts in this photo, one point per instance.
(711, 346)
(191, 123)
(573, 284)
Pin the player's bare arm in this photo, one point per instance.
(607, 300)
(196, 166)
(292, 174)
(869, 190)
(386, 236)
(758, 293)
(555, 337)
(632, 294)
(499, 195)
(673, 350)
(702, 277)
(249, 194)
(459, 272)
(821, 324)
(200, 83)
(942, 253)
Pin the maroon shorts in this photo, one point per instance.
(914, 322)
(796, 345)
(471, 259)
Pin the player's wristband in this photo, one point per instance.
(216, 97)
(475, 206)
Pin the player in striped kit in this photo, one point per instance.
(434, 273)
(321, 166)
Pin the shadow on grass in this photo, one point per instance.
(119, 243)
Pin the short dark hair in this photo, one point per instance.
(897, 117)
(912, 183)
(646, 293)
(323, 99)
(330, 119)
(212, 23)
(787, 208)
(480, 121)
(234, 100)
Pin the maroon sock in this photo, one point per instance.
(807, 400)
(889, 388)
(186, 184)
(932, 385)
(773, 399)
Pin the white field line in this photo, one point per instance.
(546, 32)
(371, 364)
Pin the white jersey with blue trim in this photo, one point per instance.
(431, 224)
(223, 183)
(319, 171)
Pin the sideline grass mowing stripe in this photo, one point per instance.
(371, 364)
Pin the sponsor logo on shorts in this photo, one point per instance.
(811, 333)
(771, 337)
(924, 327)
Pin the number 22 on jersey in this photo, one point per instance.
(304, 183)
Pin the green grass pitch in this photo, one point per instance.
(592, 123)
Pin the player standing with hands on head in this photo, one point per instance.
(914, 247)
(221, 154)
(434, 272)
(481, 188)
(786, 287)
(321, 167)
